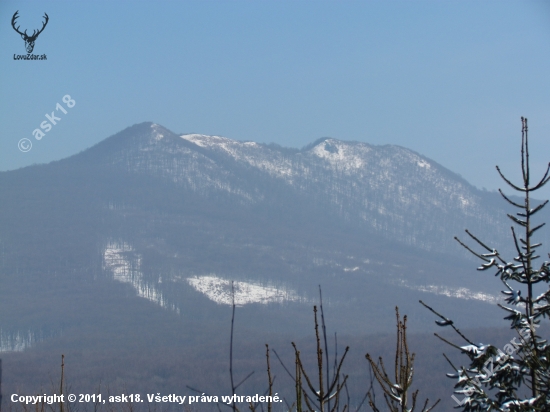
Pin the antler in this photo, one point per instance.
(34, 33)
(43, 26)
(15, 16)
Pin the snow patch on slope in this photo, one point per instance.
(203, 140)
(125, 265)
(341, 155)
(219, 291)
(247, 152)
(453, 292)
(18, 341)
(423, 163)
(156, 134)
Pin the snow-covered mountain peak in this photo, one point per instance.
(342, 155)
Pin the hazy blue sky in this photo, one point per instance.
(448, 79)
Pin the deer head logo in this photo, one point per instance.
(29, 40)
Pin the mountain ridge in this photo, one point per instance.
(375, 185)
(194, 208)
(378, 164)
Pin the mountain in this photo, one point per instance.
(140, 239)
(388, 190)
